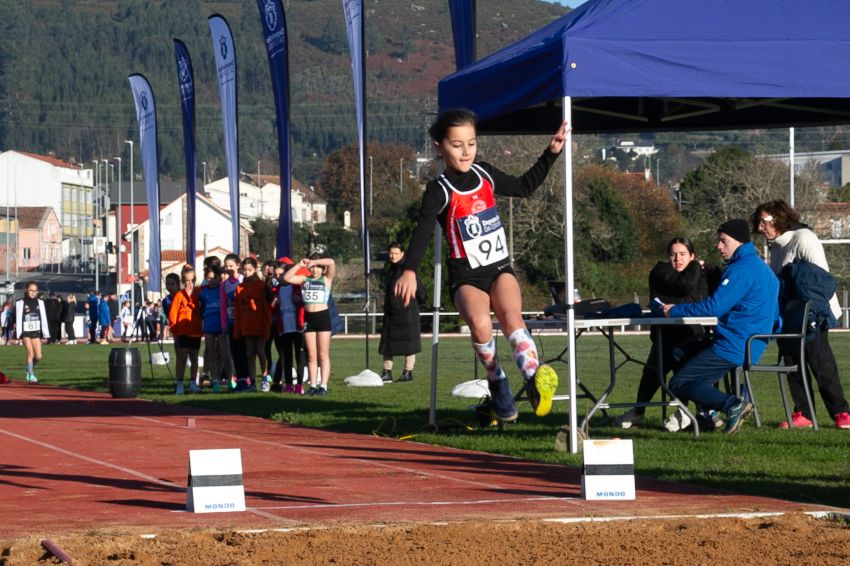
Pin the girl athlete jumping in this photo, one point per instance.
(480, 274)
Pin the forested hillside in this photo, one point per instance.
(64, 67)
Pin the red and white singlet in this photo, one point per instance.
(473, 227)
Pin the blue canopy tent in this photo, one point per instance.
(662, 65)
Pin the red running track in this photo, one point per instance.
(71, 461)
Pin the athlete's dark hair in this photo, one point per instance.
(173, 277)
(450, 119)
(395, 245)
(681, 240)
(28, 283)
(249, 261)
(234, 257)
(316, 255)
(212, 260)
(214, 269)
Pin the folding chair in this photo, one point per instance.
(786, 342)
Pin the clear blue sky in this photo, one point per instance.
(570, 3)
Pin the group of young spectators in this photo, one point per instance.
(240, 312)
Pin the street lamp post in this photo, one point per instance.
(8, 221)
(105, 213)
(133, 233)
(204, 187)
(260, 187)
(118, 232)
(370, 185)
(95, 195)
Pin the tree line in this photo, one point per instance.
(622, 221)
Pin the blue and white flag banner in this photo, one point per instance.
(146, 117)
(225, 65)
(273, 20)
(186, 83)
(354, 24)
(463, 31)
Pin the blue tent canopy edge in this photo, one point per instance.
(659, 65)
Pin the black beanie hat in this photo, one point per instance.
(737, 228)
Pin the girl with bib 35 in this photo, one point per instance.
(315, 292)
(462, 200)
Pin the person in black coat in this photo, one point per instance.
(681, 279)
(52, 312)
(56, 323)
(400, 334)
(69, 311)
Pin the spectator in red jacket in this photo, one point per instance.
(184, 319)
(252, 320)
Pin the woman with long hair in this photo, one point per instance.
(680, 279)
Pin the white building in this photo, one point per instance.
(29, 180)
(212, 232)
(833, 166)
(264, 201)
(639, 148)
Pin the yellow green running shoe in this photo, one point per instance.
(541, 389)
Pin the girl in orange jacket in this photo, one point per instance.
(184, 319)
(252, 318)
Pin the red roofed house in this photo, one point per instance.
(39, 237)
(29, 180)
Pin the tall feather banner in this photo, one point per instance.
(186, 82)
(146, 117)
(225, 65)
(463, 31)
(354, 25)
(273, 20)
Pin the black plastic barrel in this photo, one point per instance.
(125, 372)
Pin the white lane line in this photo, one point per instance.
(414, 503)
(128, 471)
(751, 515)
(374, 504)
(93, 460)
(282, 445)
(661, 517)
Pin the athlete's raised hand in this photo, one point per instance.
(557, 143)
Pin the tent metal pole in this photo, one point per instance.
(791, 161)
(569, 272)
(435, 324)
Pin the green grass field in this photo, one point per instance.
(799, 465)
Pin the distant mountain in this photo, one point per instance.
(64, 67)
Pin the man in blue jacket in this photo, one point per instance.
(93, 302)
(745, 303)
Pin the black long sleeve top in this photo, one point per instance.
(434, 201)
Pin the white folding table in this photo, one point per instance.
(606, 327)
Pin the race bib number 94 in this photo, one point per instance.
(483, 237)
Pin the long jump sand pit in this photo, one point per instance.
(793, 538)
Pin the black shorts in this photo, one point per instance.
(480, 277)
(187, 342)
(319, 321)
